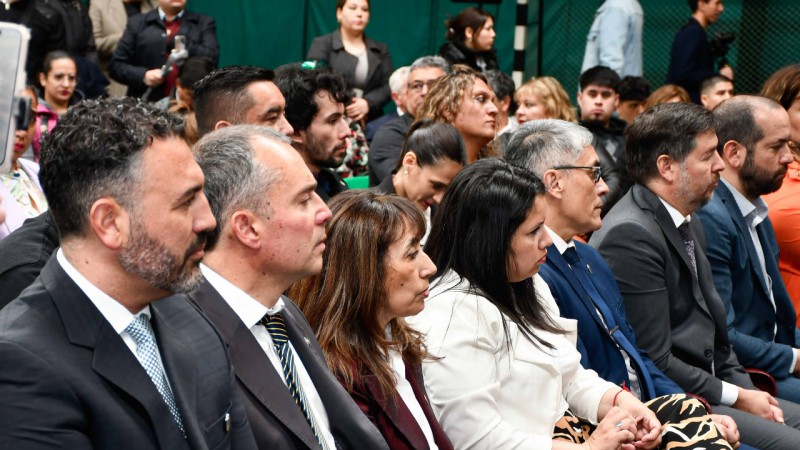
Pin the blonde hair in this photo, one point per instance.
(552, 94)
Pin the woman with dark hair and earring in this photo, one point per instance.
(433, 153)
(366, 64)
(470, 40)
(507, 373)
(374, 274)
(59, 81)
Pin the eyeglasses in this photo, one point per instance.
(595, 170)
(417, 86)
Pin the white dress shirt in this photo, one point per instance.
(250, 312)
(406, 393)
(117, 315)
(730, 392)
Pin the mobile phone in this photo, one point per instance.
(180, 42)
(13, 54)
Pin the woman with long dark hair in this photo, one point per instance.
(374, 274)
(508, 374)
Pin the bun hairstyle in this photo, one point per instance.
(471, 17)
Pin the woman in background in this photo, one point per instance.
(543, 98)
(470, 40)
(374, 274)
(58, 79)
(365, 63)
(22, 194)
(668, 93)
(784, 204)
(433, 153)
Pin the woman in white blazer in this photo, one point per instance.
(507, 370)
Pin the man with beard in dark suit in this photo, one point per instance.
(96, 352)
(270, 234)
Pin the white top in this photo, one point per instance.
(117, 315)
(491, 395)
(730, 392)
(250, 312)
(407, 395)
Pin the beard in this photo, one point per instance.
(319, 155)
(757, 181)
(689, 197)
(153, 262)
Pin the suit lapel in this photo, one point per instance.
(726, 196)
(252, 366)
(85, 326)
(398, 413)
(560, 264)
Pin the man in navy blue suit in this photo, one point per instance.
(561, 154)
(753, 138)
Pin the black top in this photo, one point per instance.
(23, 254)
(456, 52)
(386, 148)
(329, 183)
(609, 143)
(690, 60)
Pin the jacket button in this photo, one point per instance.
(709, 353)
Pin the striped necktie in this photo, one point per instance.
(280, 340)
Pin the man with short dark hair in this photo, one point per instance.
(655, 246)
(503, 87)
(239, 95)
(270, 234)
(633, 93)
(598, 99)
(315, 99)
(386, 148)
(715, 90)
(754, 136)
(97, 353)
(691, 60)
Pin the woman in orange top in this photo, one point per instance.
(784, 204)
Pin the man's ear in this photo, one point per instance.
(734, 154)
(245, 229)
(109, 221)
(668, 168)
(221, 124)
(553, 183)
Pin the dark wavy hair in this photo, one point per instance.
(471, 235)
(343, 301)
(300, 88)
(95, 151)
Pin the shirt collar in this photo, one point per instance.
(754, 212)
(676, 215)
(249, 310)
(117, 315)
(163, 16)
(561, 244)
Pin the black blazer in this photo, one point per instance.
(276, 420)
(67, 379)
(23, 253)
(143, 47)
(679, 321)
(329, 48)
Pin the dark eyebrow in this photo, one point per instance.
(189, 193)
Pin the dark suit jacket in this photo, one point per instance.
(386, 148)
(374, 125)
(599, 351)
(743, 289)
(68, 380)
(23, 253)
(276, 420)
(392, 416)
(329, 48)
(690, 59)
(143, 47)
(678, 320)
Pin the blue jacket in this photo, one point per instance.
(598, 350)
(751, 317)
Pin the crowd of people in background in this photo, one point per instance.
(187, 260)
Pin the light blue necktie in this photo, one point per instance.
(280, 340)
(147, 353)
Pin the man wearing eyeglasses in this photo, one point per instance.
(598, 99)
(386, 147)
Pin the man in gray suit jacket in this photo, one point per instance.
(96, 353)
(656, 249)
(271, 233)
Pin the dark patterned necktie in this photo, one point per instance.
(280, 340)
(688, 244)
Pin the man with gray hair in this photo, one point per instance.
(271, 233)
(388, 143)
(397, 85)
(561, 154)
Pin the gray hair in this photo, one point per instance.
(398, 79)
(429, 61)
(540, 145)
(234, 179)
